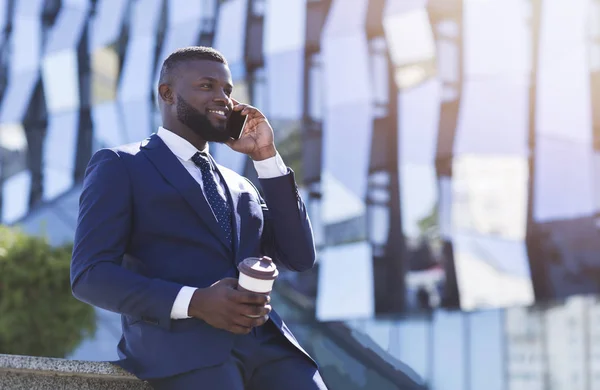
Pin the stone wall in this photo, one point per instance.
(37, 373)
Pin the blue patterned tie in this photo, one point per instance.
(220, 206)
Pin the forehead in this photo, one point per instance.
(196, 69)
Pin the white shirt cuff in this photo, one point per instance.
(271, 167)
(182, 303)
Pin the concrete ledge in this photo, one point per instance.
(38, 373)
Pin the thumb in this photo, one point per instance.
(230, 282)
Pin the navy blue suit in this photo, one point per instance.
(145, 230)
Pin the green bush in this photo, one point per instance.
(38, 314)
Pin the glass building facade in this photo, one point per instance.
(448, 152)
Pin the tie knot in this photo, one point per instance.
(202, 161)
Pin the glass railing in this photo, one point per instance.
(347, 361)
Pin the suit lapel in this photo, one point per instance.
(175, 173)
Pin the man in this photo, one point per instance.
(162, 227)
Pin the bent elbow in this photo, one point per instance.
(79, 291)
(302, 260)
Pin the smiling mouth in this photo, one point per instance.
(218, 113)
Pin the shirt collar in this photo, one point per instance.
(178, 145)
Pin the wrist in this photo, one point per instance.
(264, 153)
(197, 303)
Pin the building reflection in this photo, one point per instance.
(447, 161)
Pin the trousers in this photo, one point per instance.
(261, 360)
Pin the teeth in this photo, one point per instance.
(218, 112)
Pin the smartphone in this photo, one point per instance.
(235, 124)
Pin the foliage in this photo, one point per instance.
(38, 314)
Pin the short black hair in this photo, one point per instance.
(190, 53)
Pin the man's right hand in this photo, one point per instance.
(223, 306)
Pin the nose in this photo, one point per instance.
(221, 97)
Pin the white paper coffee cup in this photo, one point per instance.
(257, 274)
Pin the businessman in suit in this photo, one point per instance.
(161, 230)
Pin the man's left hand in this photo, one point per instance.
(257, 139)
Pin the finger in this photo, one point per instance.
(260, 321)
(251, 298)
(252, 111)
(254, 122)
(239, 107)
(232, 282)
(255, 311)
(243, 321)
(235, 102)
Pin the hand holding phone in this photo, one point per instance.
(235, 124)
(250, 132)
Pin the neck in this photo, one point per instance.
(186, 133)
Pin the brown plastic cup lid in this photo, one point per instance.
(259, 268)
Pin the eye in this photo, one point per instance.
(206, 85)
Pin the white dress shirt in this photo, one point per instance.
(183, 150)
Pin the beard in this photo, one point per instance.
(199, 123)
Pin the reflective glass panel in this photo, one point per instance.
(231, 29)
(346, 150)
(492, 272)
(350, 53)
(25, 43)
(418, 197)
(3, 13)
(490, 195)
(597, 180)
(185, 25)
(181, 11)
(524, 342)
(107, 22)
(137, 120)
(66, 31)
(411, 344)
(29, 9)
(105, 74)
(284, 25)
(486, 349)
(493, 117)
(564, 67)
(345, 17)
(338, 203)
(450, 355)
(347, 294)
(285, 88)
(380, 84)
(107, 129)
(316, 89)
(490, 48)
(15, 197)
(410, 37)
(418, 120)
(138, 69)
(61, 81)
(146, 14)
(17, 96)
(561, 167)
(178, 36)
(12, 137)
(566, 335)
(59, 154)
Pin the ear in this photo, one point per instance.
(166, 94)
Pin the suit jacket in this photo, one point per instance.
(145, 230)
